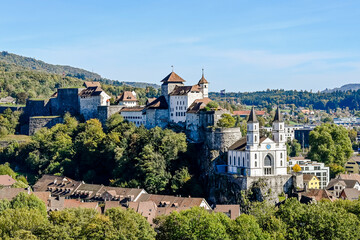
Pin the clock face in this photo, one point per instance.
(268, 146)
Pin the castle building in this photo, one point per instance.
(259, 156)
(90, 99)
(127, 99)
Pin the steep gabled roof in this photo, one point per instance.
(346, 182)
(319, 194)
(184, 90)
(91, 91)
(203, 80)
(278, 116)
(159, 103)
(198, 104)
(173, 78)
(308, 177)
(351, 193)
(252, 116)
(6, 180)
(126, 96)
(91, 84)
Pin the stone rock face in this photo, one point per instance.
(36, 123)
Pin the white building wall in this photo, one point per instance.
(136, 117)
(128, 103)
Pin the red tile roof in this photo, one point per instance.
(233, 211)
(247, 113)
(6, 180)
(92, 84)
(91, 91)
(172, 78)
(126, 96)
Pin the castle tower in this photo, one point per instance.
(252, 136)
(204, 85)
(278, 128)
(169, 83)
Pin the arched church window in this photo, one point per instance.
(255, 164)
(267, 161)
(281, 155)
(255, 156)
(255, 138)
(238, 161)
(281, 163)
(243, 162)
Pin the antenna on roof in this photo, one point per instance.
(172, 68)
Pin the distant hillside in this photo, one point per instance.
(79, 73)
(49, 68)
(344, 88)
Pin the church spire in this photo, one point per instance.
(252, 116)
(278, 116)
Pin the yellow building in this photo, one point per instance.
(352, 166)
(311, 181)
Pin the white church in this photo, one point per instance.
(257, 156)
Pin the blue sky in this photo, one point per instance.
(243, 45)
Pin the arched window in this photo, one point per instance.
(234, 161)
(280, 126)
(238, 161)
(255, 156)
(255, 138)
(255, 164)
(281, 163)
(267, 161)
(243, 162)
(281, 156)
(280, 137)
(254, 127)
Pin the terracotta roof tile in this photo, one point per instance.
(351, 193)
(198, 104)
(6, 180)
(184, 90)
(173, 78)
(10, 193)
(90, 91)
(319, 194)
(126, 96)
(91, 84)
(247, 113)
(233, 211)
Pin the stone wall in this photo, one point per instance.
(221, 139)
(36, 123)
(67, 101)
(157, 117)
(104, 112)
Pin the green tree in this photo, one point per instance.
(226, 121)
(330, 144)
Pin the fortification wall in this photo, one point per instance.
(36, 123)
(67, 101)
(221, 139)
(104, 112)
(36, 107)
(3, 108)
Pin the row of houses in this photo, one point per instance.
(60, 193)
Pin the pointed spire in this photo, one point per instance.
(278, 116)
(252, 116)
(202, 80)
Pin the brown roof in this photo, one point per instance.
(233, 211)
(240, 145)
(57, 185)
(198, 104)
(112, 204)
(351, 176)
(184, 90)
(132, 109)
(10, 193)
(348, 183)
(172, 78)
(126, 96)
(166, 200)
(150, 100)
(91, 84)
(121, 193)
(56, 204)
(90, 91)
(6, 180)
(319, 194)
(146, 209)
(350, 193)
(247, 113)
(43, 196)
(308, 177)
(73, 203)
(203, 80)
(159, 103)
(87, 191)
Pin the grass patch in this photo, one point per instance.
(9, 138)
(45, 117)
(11, 105)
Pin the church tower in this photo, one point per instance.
(278, 128)
(204, 85)
(252, 136)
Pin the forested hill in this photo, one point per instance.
(318, 100)
(344, 88)
(34, 64)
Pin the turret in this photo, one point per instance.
(204, 85)
(278, 127)
(169, 83)
(252, 136)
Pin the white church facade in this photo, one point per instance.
(259, 156)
